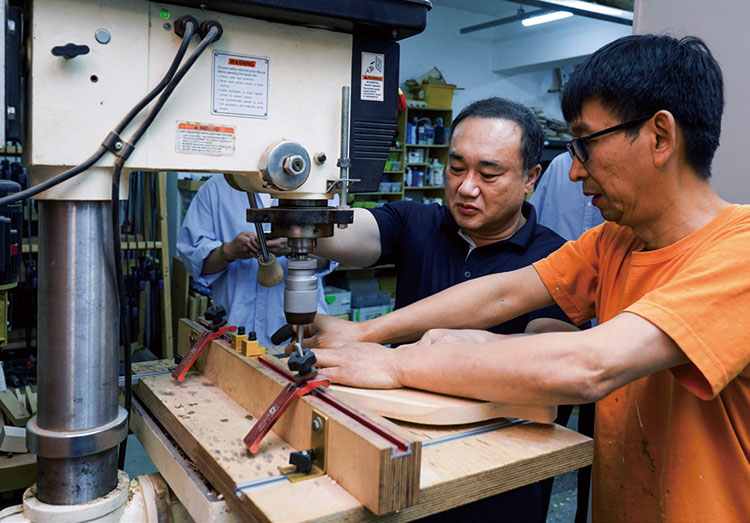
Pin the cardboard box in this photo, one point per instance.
(368, 313)
(339, 301)
(436, 96)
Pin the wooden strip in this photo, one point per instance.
(167, 344)
(194, 495)
(418, 406)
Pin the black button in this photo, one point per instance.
(467, 274)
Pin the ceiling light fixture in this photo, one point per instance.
(548, 17)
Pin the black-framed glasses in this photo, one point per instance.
(577, 146)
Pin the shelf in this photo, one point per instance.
(418, 164)
(428, 146)
(393, 172)
(427, 108)
(395, 149)
(425, 188)
(125, 245)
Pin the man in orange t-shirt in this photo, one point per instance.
(667, 276)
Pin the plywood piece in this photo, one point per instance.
(196, 497)
(30, 400)
(418, 406)
(14, 440)
(17, 471)
(209, 428)
(15, 412)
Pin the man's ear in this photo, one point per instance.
(664, 127)
(532, 175)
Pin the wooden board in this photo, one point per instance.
(201, 419)
(360, 460)
(428, 408)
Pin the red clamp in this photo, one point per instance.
(290, 393)
(204, 341)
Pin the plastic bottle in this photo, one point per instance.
(439, 131)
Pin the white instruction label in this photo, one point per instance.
(204, 138)
(373, 77)
(239, 85)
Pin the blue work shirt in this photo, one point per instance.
(430, 255)
(560, 203)
(216, 215)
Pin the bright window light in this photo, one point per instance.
(549, 17)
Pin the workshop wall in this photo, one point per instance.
(466, 60)
(723, 25)
(511, 61)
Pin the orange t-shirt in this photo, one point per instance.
(674, 445)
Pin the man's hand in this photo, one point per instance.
(244, 245)
(277, 246)
(327, 331)
(446, 336)
(366, 365)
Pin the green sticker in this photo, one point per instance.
(330, 299)
(164, 14)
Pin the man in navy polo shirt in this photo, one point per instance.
(485, 227)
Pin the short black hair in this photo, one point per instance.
(638, 75)
(532, 138)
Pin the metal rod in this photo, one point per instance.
(259, 228)
(77, 345)
(344, 155)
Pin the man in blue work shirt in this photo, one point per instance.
(219, 251)
(485, 227)
(560, 203)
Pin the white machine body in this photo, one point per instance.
(260, 84)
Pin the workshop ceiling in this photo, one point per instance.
(506, 8)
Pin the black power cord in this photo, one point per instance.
(213, 33)
(190, 25)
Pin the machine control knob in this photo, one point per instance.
(303, 460)
(302, 365)
(69, 51)
(285, 165)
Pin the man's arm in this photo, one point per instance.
(544, 369)
(475, 304)
(357, 245)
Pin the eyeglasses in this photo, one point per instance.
(577, 146)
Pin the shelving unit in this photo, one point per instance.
(398, 180)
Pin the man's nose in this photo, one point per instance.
(577, 171)
(469, 185)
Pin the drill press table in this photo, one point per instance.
(209, 470)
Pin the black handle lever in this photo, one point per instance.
(69, 51)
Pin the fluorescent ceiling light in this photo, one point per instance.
(549, 17)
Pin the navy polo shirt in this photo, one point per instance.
(422, 241)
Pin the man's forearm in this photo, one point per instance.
(214, 262)
(476, 304)
(542, 369)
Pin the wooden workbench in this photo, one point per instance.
(458, 464)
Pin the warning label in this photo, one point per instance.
(373, 76)
(204, 138)
(239, 85)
